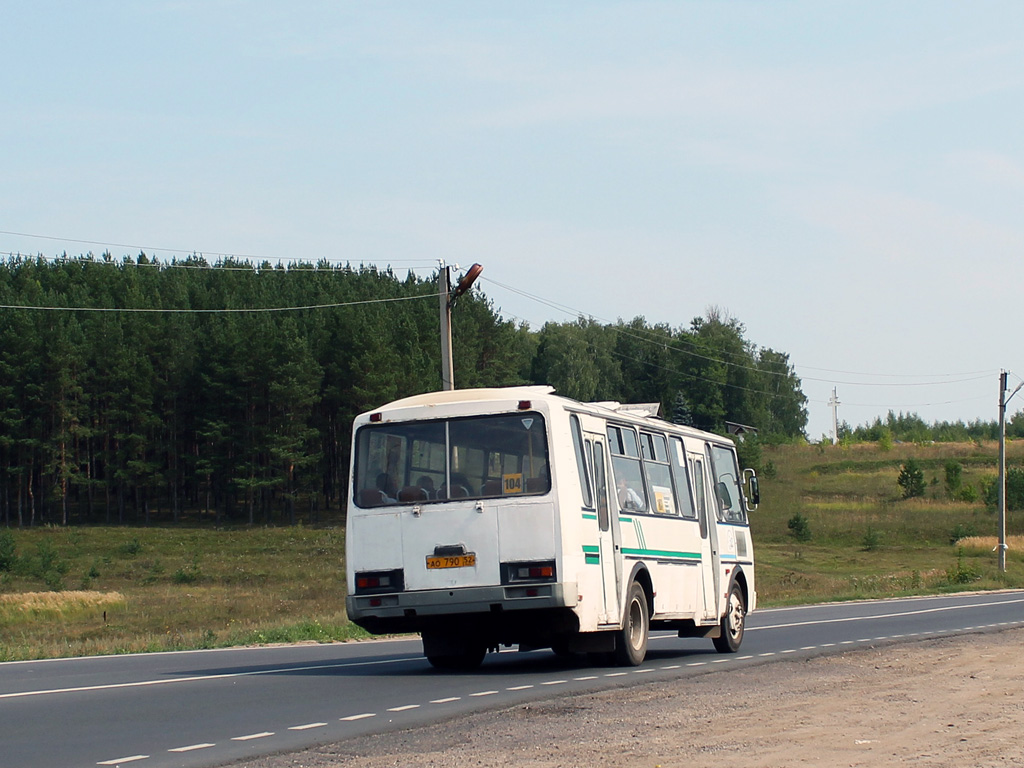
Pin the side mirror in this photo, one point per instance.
(754, 493)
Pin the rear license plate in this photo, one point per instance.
(451, 561)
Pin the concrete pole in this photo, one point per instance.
(444, 288)
(1002, 472)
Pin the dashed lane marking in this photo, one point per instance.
(363, 716)
(192, 747)
(118, 761)
(306, 727)
(449, 700)
(251, 736)
(404, 708)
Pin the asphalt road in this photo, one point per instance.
(208, 708)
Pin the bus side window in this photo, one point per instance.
(727, 486)
(698, 489)
(629, 482)
(658, 474)
(581, 461)
(684, 498)
(601, 487)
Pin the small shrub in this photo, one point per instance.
(885, 441)
(872, 540)
(50, 567)
(769, 470)
(188, 574)
(799, 527)
(8, 552)
(911, 480)
(968, 494)
(954, 477)
(130, 548)
(154, 570)
(1014, 490)
(960, 573)
(961, 531)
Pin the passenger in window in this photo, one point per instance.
(460, 488)
(628, 498)
(387, 486)
(427, 484)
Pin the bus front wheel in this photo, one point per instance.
(631, 640)
(733, 622)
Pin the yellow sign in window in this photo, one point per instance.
(512, 483)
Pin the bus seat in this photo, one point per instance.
(412, 493)
(457, 492)
(491, 488)
(371, 497)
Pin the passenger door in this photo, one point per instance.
(608, 535)
(710, 555)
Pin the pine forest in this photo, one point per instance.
(136, 391)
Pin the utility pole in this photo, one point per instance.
(447, 299)
(834, 403)
(1002, 467)
(444, 287)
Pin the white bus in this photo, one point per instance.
(489, 517)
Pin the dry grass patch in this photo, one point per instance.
(989, 543)
(58, 602)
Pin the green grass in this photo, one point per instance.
(866, 540)
(101, 590)
(176, 589)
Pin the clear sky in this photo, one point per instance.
(845, 178)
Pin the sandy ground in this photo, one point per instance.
(947, 702)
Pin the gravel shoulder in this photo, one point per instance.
(946, 702)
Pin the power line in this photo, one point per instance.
(158, 310)
(618, 328)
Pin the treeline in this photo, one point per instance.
(911, 428)
(135, 416)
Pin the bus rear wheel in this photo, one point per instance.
(631, 640)
(463, 662)
(452, 653)
(733, 622)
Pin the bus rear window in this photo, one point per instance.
(433, 461)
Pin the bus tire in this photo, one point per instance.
(733, 622)
(631, 640)
(462, 662)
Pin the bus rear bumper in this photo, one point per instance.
(414, 611)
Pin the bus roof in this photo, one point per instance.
(636, 413)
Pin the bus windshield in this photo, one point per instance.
(420, 462)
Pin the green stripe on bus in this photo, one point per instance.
(590, 549)
(661, 553)
(592, 559)
(589, 516)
